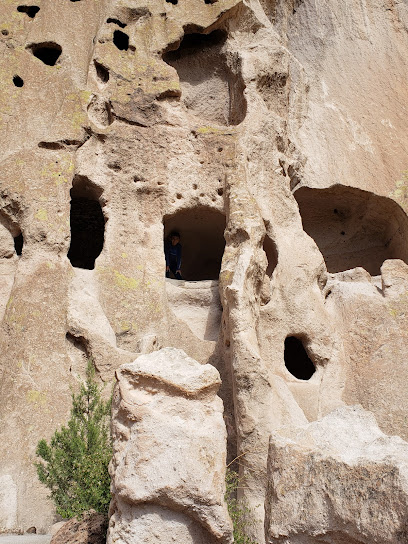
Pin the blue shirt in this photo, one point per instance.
(173, 255)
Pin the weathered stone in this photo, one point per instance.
(89, 529)
(337, 480)
(168, 467)
(244, 125)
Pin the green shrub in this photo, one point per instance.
(74, 465)
(240, 513)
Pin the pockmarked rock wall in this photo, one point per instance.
(271, 134)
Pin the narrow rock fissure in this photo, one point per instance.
(271, 253)
(18, 243)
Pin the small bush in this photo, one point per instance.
(240, 513)
(74, 465)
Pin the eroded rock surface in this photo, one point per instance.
(168, 467)
(89, 529)
(338, 480)
(272, 135)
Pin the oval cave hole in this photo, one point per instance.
(18, 243)
(87, 224)
(31, 11)
(297, 360)
(353, 228)
(18, 82)
(121, 40)
(47, 52)
(212, 87)
(271, 253)
(202, 240)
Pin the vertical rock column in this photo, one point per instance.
(168, 467)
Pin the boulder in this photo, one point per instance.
(168, 467)
(90, 529)
(339, 480)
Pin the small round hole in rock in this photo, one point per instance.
(174, 2)
(18, 244)
(297, 360)
(18, 82)
(5, 32)
(31, 11)
(121, 40)
(47, 52)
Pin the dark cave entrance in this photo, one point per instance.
(202, 240)
(297, 360)
(87, 224)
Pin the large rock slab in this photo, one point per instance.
(339, 480)
(168, 468)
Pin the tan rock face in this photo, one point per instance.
(244, 126)
(337, 480)
(168, 467)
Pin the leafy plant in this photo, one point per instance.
(240, 513)
(74, 465)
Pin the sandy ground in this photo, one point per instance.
(25, 539)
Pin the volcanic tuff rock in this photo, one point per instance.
(337, 480)
(168, 466)
(272, 135)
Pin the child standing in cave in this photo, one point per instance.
(172, 252)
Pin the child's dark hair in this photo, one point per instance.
(174, 233)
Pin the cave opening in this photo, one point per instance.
(211, 83)
(121, 40)
(201, 232)
(31, 11)
(87, 224)
(353, 228)
(297, 360)
(47, 52)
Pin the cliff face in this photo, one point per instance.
(271, 134)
